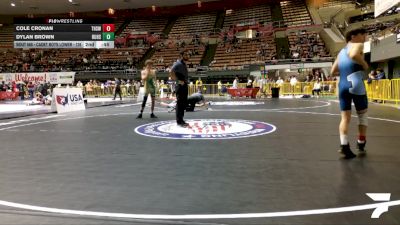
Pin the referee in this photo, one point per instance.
(179, 73)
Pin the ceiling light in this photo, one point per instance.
(70, 1)
(12, 4)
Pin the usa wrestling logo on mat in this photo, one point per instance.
(206, 129)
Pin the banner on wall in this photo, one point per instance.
(382, 5)
(67, 100)
(52, 77)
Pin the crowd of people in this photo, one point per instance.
(306, 46)
(39, 60)
(37, 92)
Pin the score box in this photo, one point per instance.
(108, 28)
(107, 36)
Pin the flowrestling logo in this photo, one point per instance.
(71, 99)
(206, 129)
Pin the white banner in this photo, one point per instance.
(67, 100)
(382, 5)
(296, 66)
(52, 77)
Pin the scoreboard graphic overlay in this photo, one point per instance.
(64, 33)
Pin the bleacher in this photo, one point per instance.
(258, 14)
(165, 57)
(137, 46)
(6, 36)
(9, 56)
(66, 54)
(118, 23)
(295, 13)
(235, 55)
(154, 25)
(120, 54)
(185, 34)
(333, 3)
(303, 43)
(380, 26)
(187, 26)
(227, 56)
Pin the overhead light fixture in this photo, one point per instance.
(12, 4)
(70, 1)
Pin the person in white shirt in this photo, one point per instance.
(79, 84)
(293, 82)
(316, 88)
(249, 83)
(235, 82)
(279, 82)
(219, 84)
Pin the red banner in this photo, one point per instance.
(8, 95)
(243, 92)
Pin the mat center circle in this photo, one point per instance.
(206, 129)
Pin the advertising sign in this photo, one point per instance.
(67, 100)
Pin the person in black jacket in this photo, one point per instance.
(179, 72)
(117, 89)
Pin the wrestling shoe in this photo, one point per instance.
(346, 151)
(361, 146)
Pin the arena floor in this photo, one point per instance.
(93, 167)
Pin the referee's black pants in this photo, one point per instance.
(117, 91)
(181, 102)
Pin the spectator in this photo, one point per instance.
(380, 74)
(235, 82)
(293, 83)
(371, 76)
(31, 89)
(199, 84)
(279, 82)
(316, 88)
(249, 83)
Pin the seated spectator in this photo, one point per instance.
(316, 88)
(380, 74)
(249, 83)
(279, 82)
(371, 76)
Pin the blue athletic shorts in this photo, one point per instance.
(353, 89)
(345, 99)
